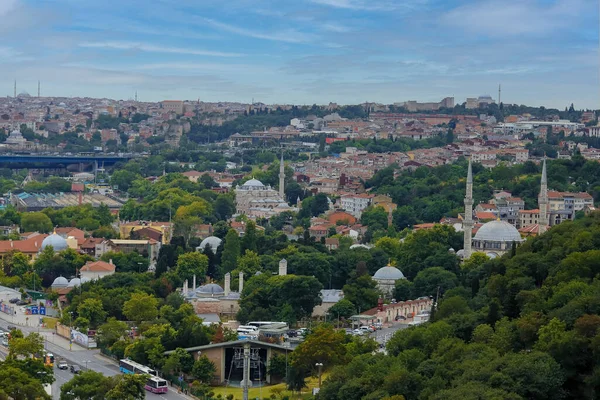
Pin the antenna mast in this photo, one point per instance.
(38, 89)
(499, 92)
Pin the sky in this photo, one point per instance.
(542, 52)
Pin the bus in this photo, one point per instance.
(247, 332)
(258, 324)
(127, 366)
(156, 385)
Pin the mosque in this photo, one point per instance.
(495, 238)
(256, 200)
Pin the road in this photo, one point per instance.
(84, 358)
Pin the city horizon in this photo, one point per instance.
(312, 52)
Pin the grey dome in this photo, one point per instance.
(74, 282)
(388, 272)
(253, 183)
(61, 281)
(210, 288)
(57, 242)
(498, 231)
(359, 246)
(213, 241)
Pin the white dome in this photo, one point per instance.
(213, 241)
(61, 281)
(389, 273)
(85, 279)
(498, 231)
(57, 242)
(359, 246)
(74, 282)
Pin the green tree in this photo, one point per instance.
(111, 331)
(324, 345)
(36, 222)
(141, 307)
(93, 311)
(17, 384)
(426, 282)
(231, 251)
(250, 237)
(249, 263)
(403, 290)
(128, 387)
(190, 264)
(178, 362)
(362, 292)
(204, 369)
(342, 309)
(87, 385)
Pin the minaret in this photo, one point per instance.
(38, 89)
(15, 90)
(543, 201)
(281, 178)
(468, 221)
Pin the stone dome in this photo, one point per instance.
(74, 282)
(210, 288)
(389, 273)
(57, 242)
(359, 246)
(253, 183)
(498, 231)
(213, 241)
(61, 281)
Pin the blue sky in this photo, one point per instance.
(543, 52)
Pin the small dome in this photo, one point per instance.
(388, 272)
(61, 281)
(213, 241)
(498, 231)
(210, 288)
(359, 246)
(57, 242)
(74, 282)
(85, 279)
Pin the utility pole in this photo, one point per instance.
(246, 373)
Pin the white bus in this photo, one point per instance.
(156, 385)
(127, 366)
(258, 324)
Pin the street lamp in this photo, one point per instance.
(320, 367)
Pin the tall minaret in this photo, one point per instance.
(38, 89)
(281, 178)
(15, 89)
(543, 201)
(468, 221)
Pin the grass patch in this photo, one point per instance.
(266, 391)
(50, 322)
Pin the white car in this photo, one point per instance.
(62, 364)
(366, 329)
(358, 332)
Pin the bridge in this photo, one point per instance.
(52, 161)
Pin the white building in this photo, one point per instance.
(96, 270)
(356, 203)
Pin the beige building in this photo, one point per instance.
(96, 270)
(175, 106)
(166, 228)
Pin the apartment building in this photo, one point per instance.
(355, 204)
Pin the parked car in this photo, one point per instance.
(400, 318)
(378, 325)
(62, 364)
(5, 342)
(76, 369)
(21, 303)
(366, 329)
(302, 331)
(11, 327)
(292, 333)
(358, 332)
(13, 301)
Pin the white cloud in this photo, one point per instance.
(289, 36)
(502, 18)
(156, 49)
(365, 5)
(333, 27)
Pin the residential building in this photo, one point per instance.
(165, 228)
(355, 204)
(96, 270)
(175, 106)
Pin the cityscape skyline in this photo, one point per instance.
(314, 51)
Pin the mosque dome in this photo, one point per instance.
(388, 273)
(210, 288)
(74, 282)
(359, 246)
(498, 231)
(57, 242)
(213, 241)
(59, 282)
(253, 183)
